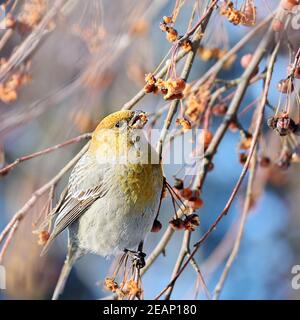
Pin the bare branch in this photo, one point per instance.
(12, 165)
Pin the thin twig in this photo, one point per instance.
(182, 254)
(12, 165)
(8, 240)
(217, 67)
(200, 275)
(184, 75)
(237, 242)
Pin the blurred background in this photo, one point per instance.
(90, 65)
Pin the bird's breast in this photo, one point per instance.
(139, 183)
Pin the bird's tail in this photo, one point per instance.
(73, 255)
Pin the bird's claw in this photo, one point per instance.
(138, 258)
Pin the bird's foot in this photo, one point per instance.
(138, 258)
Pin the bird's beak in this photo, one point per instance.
(138, 120)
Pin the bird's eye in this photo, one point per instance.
(120, 123)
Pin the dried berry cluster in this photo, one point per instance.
(9, 88)
(32, 13)
(171, 89)
(282, 124)
(233, 15)
(126, 289)
(43, 236)
(192, 196)
(185, 123)
(246, 15)
(93, 37)
(190, 223)
(196, 103)
(244, 146)
(171, 32)
(208, 54)
(172, 35)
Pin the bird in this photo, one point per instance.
(113, 193)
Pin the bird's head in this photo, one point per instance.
(117, 133)
(123, 119)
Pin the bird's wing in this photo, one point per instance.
(86, 185)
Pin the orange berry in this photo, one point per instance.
(186, 193)
(205, 138)
(148, 88)
(174, 88)
(150, 83)
(110, 284)
(195, 203)
(184, 123)
(161, 86)
(172, 34)
(149, 78)
(205, 53)
(43, 237)
(180, 84)
(163, 27)
(246, 59)
(167, 19)
(220, 109)
(10, 21)
(140, 27)
(186, 45)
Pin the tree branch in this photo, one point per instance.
(12, 165)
